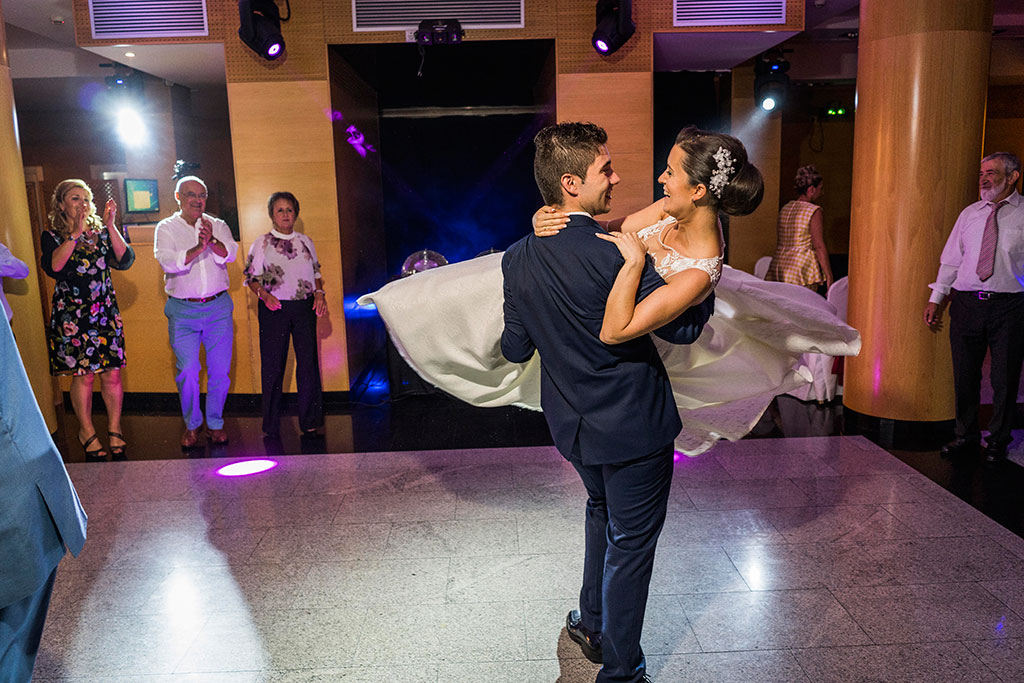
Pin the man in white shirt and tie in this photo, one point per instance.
(980, 272)
(193, 249)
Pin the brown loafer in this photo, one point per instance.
(218, 437)
(190, 438)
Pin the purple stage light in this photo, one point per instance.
(601, 45)
(273, 50)
(246, 467)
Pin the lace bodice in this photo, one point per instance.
(672, 261)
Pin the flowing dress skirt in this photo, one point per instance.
(447, 324)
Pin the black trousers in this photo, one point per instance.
(977, 326)
(295, 320)
(626, 508)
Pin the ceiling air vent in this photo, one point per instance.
(728, 12)
(400, 15)
(148, 18)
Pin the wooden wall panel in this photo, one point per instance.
(282, 139)
(627, 117)
(754, 236)
(1004, 135)
(835, 163)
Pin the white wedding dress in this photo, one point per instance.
(447, 324)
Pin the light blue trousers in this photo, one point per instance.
(191, 325)
(21, 628)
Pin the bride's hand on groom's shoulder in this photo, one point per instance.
(548, 221)
(630, 246)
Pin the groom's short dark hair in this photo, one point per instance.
(564, 148)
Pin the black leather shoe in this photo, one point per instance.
(589, 642)
(994, 453)
(960, 447)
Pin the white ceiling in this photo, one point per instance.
(41, 47)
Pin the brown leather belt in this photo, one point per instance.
(202, 299)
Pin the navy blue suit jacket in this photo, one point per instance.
(615, 399)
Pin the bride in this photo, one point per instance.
(447, 322)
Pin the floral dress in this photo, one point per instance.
(86, 334)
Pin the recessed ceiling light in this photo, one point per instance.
(129, 54)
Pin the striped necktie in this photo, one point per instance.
(987, 253)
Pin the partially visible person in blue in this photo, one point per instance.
(86, 335)
(194, 248)
(13, 267)
(40, 516)
(284, 273)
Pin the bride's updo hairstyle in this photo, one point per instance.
(719, 162)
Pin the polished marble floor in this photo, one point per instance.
(783, 559)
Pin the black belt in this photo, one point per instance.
(201, 299)
(986, 296)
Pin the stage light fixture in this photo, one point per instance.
(614, 25)
(260, 27)
(439, 32)
(771, 83)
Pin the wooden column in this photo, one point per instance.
(16, 233)
(922, 76)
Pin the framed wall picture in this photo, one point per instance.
(140, 195)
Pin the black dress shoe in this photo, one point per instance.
(960, 447)
(589, 642)
(994, 453)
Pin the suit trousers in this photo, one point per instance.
(191, 324)
(625, 513)
(21, 628)
(295, 321)
(977, 326)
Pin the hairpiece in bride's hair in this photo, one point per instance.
(720, 176)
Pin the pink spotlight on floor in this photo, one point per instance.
(246, 467)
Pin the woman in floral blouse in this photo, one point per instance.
(283, 271)
(86, 336)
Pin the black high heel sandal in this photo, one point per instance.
(118, 452)
(96, 454)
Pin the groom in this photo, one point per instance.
(609, 407)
